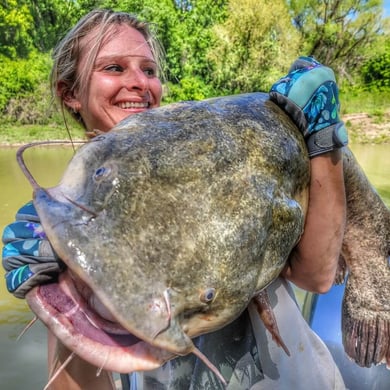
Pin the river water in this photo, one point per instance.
(23, 362)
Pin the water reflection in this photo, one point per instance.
(375, 161)
(24, 362)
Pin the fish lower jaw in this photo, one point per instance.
(117, 351)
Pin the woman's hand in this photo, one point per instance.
(309, 94)
(27, 255)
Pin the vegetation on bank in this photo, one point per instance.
(366, 115)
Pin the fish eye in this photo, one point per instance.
(101, 173)
(208, 295)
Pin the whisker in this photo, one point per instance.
(27, 327)
(99, 371)
(210, 365)
(91, 321)
(61, 368)
(80, 206)
(22, 164)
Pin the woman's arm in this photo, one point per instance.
(309, 95)
(313, 263)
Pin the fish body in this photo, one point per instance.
(177, 218)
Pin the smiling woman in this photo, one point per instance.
(119, 85)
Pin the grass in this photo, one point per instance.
(20, 134)
(375, 103)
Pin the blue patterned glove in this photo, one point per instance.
(28, 256)
(309, 94)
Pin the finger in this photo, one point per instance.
(27, 212)
(22, 230)
(18, 253)
(17, 277)
(304, 62)
(29, 247)
(21, 281)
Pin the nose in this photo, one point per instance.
(136, 79)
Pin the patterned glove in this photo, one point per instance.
(309, 95)
(28, 256)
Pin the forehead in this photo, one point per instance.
(127, 41)
(121, 40)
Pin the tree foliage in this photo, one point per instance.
(15, 25)
(213, 47)
(252, 45)
(19, 78)
(376, 70)
(338, 33)
(52, 18)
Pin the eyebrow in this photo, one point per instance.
(117, 57)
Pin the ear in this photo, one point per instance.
(67, 95)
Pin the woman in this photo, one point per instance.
(105, 69)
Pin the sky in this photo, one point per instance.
(386, 6)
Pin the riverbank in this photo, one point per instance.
(363, 128)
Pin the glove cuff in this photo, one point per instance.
(326, 140)
(291, 109)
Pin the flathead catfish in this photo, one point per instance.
(173, 221)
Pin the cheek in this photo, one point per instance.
(102, 87)
(155, 87)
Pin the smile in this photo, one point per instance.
(126, 105)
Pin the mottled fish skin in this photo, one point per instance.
(186, 211)
(180, 215)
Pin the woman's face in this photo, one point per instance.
(123, 81)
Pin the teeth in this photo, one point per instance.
(133, 105)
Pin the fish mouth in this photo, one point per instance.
(75, 316)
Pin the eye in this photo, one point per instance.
(150, 72)
(101, 173)
(207, 295)
(113, 68)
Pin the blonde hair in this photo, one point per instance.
(67, 54)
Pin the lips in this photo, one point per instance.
(86, 327)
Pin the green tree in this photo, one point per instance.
(19, 80)
(28, 25)
(338, 33)
(253, 45)
(376, 70)
(52, 19)
(15, 25)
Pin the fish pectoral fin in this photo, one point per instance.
(266, 314)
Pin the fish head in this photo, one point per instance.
(154, 250)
